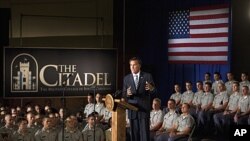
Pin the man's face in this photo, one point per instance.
(216, 77)
(207, 77)
(184, 108)
(229, 76)
(155, 105)
(199, 86)
(235, 87)
(177, 88)
(91, 121)
(244, 77)
(207, 88)
(188, 86)
(134, 66)
(171, 105)
(244, 91)
(90, 99)
(23, 125)
(47, 123)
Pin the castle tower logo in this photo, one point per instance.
(24, 73)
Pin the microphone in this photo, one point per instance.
(117, 94)
(93, 87)
(67, 78)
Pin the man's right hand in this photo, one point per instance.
(129, 93)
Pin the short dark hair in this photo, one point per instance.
(91, 115)
(209, 84)
(172, 100)
(208, 73)
(91, 94)
(136, 59)
(20, 119)
(236, 83)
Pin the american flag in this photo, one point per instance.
(199, 35)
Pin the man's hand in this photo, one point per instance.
(149, 86)
(129, 93)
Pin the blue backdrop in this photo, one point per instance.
(147, 37)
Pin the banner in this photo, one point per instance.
(54, 72)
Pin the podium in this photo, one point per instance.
(118, 108)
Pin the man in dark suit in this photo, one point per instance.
(137, 88)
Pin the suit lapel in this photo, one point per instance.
(141, 77)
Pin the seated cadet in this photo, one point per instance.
(197, 98)
(229, 83)
(244, 80)
(183, 125)
(99, 106)
(97, 122)
(71, 131)
(47, 133)
(108, 132)
(177, 97)
(224, 119)
(22, 134)
(156, 117)
(187, 96)
(105, 118)
(217, 80)
(206, 104)
(88, 132)
(31, 123)
(168, 122)
(207, 78)
(243, 110)
(89, 108)
(219, 104)
(8, 128)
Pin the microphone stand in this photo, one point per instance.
(64, 84)
(94, 92)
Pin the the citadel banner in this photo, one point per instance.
(53, 72)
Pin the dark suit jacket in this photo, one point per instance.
(140, 97)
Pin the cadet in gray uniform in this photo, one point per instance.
(207, 78)
(22, 134)
(243, 110)
(244, 81)
(206, 104)
(229, 83)
(88, 132)
(177, 95)
(217, 80)
(31, 123)
(8, 128)
(197, 98)
(46, 133)
(187, 96)
(168, 122)
(183, 125)
(156, 117)
(71, 132)
(89, 108)
(223, 120)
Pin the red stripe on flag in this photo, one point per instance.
(198, 62)
(197, 53)
(204, 17)
(199, 44)
(203, 26)
(209, 35)
(210, 7)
